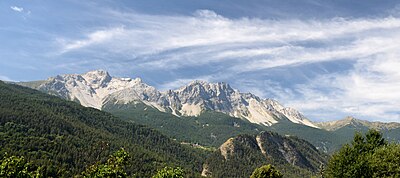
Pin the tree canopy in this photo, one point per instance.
(366, 156)
(267, 171)
(114, 167)
(18, 166)
(169, 172)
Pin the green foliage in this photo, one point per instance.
(209, 129)
(324, 140)
(114, 167)
(367, 156)
(374, 139)
(63, 137)
(213, 128)
(18, 167)
(267, 171)
(169, 172)
(385, 161)
(245, 156)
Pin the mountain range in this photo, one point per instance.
(206, 113)
(63, 138)
(351, 121)
(97, 88)
(228, 133)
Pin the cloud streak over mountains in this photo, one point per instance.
(364, 80)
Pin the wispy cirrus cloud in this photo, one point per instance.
(17, 9)
(236, 38)
(25, 13)
(367, 91)
(295, 55)
(97, 37)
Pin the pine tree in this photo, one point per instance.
(365, 157)
(267, 171)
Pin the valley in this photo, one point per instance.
(217, 112)
(88, 118)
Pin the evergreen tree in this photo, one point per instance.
(385, 161)
(267, 171)
(115, 166)
(169, 172)
(367, 156)
(18, 167)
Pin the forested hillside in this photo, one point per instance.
(208, 129)
(65, 137)
(205, 113)
(239, 156)
(214, 128)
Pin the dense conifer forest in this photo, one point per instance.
(64, 137)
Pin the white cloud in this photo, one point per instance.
(369, 89)
(17, 9)
(100, 36)
(155, 34)
(5, 78)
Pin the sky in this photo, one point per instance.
(326, 58)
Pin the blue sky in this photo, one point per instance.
(328, 59)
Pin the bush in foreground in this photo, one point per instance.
(366, 156)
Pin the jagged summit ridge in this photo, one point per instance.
(97, 88)
(89, 89)
(349, 120)
(97, 78)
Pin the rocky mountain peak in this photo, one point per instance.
(138, 80)
(99, 72)
(97, 88)
(206, 86)
(204, 93)
(198, 82)
(350, 119)
(98, 78)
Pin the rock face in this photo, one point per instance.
(97, 88)
(286, 149)
(271, 145)
(265, 148)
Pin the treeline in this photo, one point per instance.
(208, 129)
